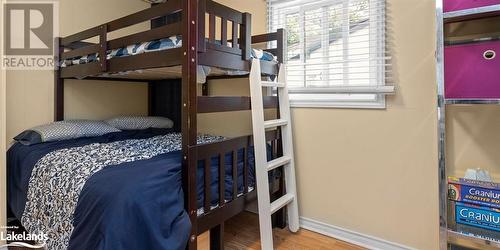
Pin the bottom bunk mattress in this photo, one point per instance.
(118, 191)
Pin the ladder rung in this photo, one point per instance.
(281, 202)
(278, 162)
(275, 123)
(273, 84)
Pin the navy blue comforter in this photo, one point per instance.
(125, 206)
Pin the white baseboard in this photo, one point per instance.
(355, 238)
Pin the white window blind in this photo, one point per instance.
(336, 54)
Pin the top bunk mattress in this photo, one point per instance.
(159, 45)
(151, 46)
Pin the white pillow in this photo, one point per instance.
(140, 122)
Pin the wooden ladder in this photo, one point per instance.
(262, 166)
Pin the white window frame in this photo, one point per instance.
(344, 98)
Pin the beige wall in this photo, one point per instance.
(30, 94)
(111, 99)
(375, 171)
(3, 203)
(370, 171)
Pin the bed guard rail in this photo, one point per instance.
(205, 153)
(234, 25)
(75, 45)
(218, 37)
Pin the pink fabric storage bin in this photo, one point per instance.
(472, 71)
(454, 5)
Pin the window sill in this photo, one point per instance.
(386, 90)
(377, 103)
(380, 104)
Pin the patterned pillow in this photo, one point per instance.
(140, 122)
(64, 130)
(90, 128)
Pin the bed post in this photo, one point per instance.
(246, 36)
(204, 89)
(281, 45)
(202, 45)
(189, 112)
(150, 98)
(217, 237)
(202, 9)
(58, 85)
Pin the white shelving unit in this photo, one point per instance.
(471, 101)
(469, 14)
(469, 241)
(448, 236)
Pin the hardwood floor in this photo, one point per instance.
(242, 232)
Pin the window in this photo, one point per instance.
(336, 51)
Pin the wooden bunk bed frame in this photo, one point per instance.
(185, 18)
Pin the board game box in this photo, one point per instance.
(474, 192)
(477, 216)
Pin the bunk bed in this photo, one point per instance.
(171, 73)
